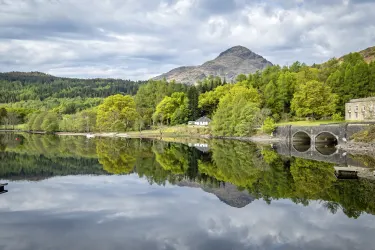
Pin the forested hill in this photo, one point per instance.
(367, 54)
(22, 86)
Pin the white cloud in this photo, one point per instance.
(140, 39)
(96, 212)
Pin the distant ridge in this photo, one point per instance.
(229, 64)
(368, 54)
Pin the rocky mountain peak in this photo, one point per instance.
(239, 51)
(229, 64)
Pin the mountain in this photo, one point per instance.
(227, 193)
(230, 63)
(368, 54)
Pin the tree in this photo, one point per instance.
(372, 78)
(117, 113)
(268, 125)
(286, 85)
(87, 120)
(193, 96)
(37, 125)
(13, 119)
(3, 114)
(31, 121)
(235, 115)
(271, 97)
(173, 110)
(209, 101)
(50, 122)
(361, 79)
(314, 99)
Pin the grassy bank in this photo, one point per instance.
(308, 123)
(365, 136)
(174, 131)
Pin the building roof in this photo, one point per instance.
(203, 119)
(362, 100)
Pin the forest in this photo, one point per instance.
(297, 92)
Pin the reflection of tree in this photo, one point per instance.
(116, 156)
(236, 162)
(172, 158)
(312, 178)
(264, 173)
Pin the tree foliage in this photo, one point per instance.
(314, 99)
(235, 115)
(172, 110)
(117, 113)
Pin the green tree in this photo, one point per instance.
(50, 122)
(31, 121)
(271, 97)
(173, 110)
(235, 115)
(314, 99)
(37, 125)
(3, 114)
(117, 113)
(193, 97)
(209, 101)
(361, 79)
(269, 125)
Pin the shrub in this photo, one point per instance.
(269, 125)
(337, 117)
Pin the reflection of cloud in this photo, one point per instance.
(125, 212)
(139, 39)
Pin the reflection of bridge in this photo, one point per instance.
(346, 167)
(317, 140)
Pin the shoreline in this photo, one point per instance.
(255, 138)
(350, 147)
(159, 136)
(358, 148)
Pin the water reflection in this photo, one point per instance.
(204, 199)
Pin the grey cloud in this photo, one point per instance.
(72, 213)
(150, 37)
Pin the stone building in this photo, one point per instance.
(360, 109)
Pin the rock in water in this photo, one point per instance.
(229, 64)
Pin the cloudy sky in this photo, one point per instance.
(125, 212)
(138, 39)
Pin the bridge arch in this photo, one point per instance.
(325, 143)
(301, 141)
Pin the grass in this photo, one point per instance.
(308, 123)
(173, 131)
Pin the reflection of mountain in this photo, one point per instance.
(227, 193)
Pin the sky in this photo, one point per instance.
(125, 212)
(139, 39)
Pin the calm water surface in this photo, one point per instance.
(78, 193)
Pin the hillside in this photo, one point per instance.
(230, 63)
(23, 86)
(367, 54)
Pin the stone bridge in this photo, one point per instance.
(318, 142)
